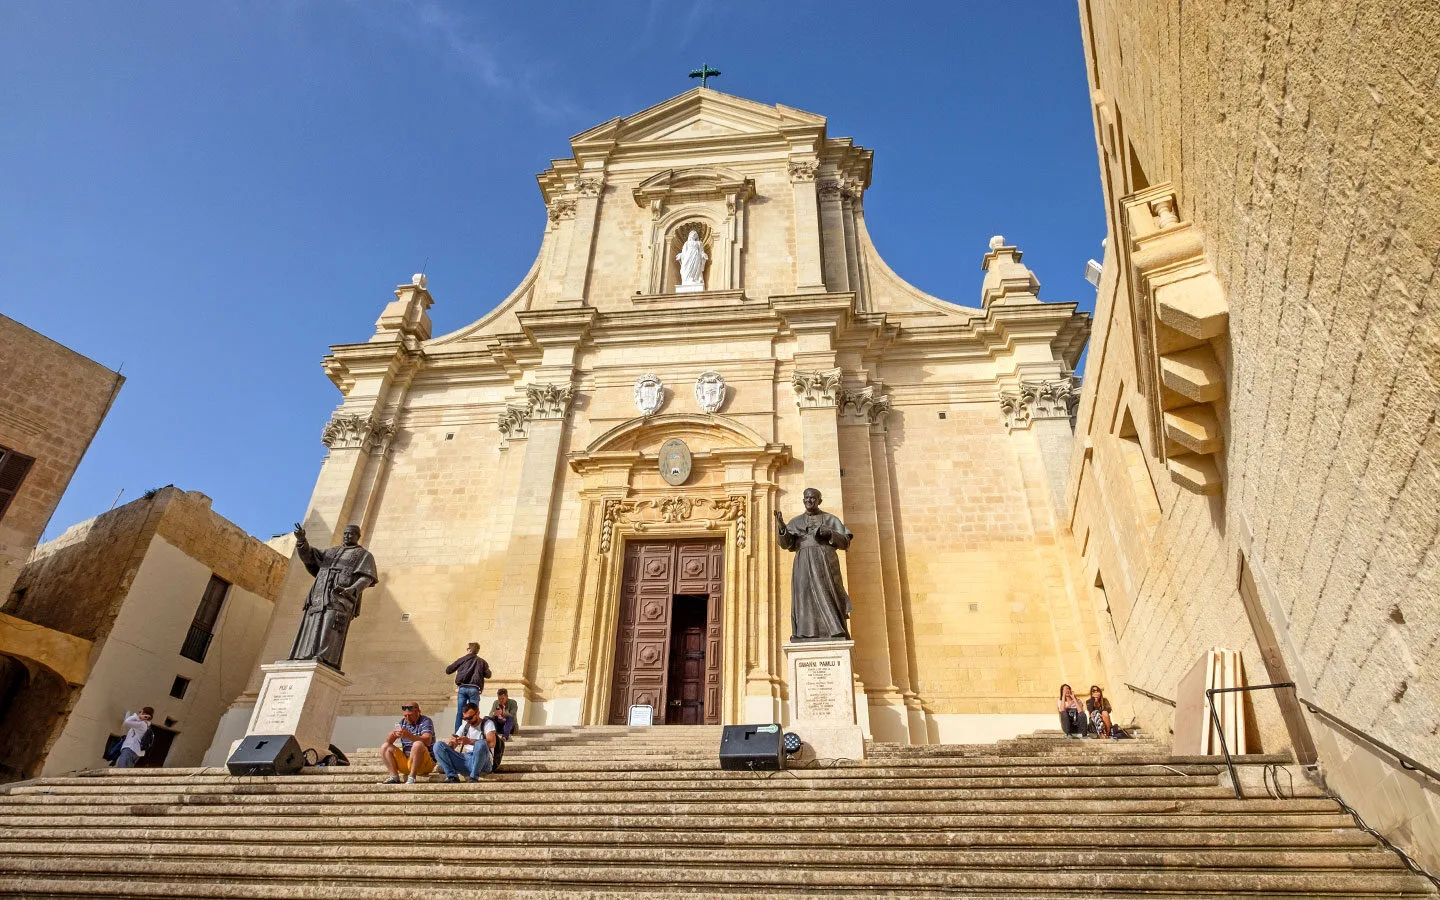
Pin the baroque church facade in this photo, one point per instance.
(585, 479)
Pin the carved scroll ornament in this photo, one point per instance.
(709, 513)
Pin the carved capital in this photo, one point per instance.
(562, 208)
(590, 185)
(853, 189)
(1040, 400)
(804, 169)
(816, 389)
(349, 431)
(549, 401)
(865, 406)
(828, 189)
(514, 424)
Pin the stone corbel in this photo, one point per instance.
(1182, 324)
(816, 390)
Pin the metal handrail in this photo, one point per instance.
(1406, 762)
(1220, 729)
(1139, 690)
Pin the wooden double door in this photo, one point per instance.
(667, 652)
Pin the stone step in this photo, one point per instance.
(506, 784)
(954, 858)
(432, 793)
(1322, 836)
(60, 875)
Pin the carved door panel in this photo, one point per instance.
(642, 648)
(686, 687)
(654, 572)
(702, 571)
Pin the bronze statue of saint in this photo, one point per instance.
(819, 605)
(341, 575)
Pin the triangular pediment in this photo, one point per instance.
(700, 114)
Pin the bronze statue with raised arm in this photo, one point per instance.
(819, 604)
(341, 575)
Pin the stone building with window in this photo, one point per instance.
(52, 401)
(1257, 458)
(170, 600)
(507, 476)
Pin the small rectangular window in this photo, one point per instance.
(202, 629)
(177, 690)
(13, 469)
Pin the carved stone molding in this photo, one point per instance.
(350, 431)
(1036, 400)
(590, 186)
(816, 389)
(514, 424)
(563, 208)
(867, 405)
(549, 401)
(643, 515)
(828, 189)
(804, 169)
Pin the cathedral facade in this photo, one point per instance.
(585, 480)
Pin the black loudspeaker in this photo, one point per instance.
(266, 754)
(753, 747)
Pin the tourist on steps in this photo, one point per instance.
(1072, 714)
(1099, 709)
(511, 709)
(416, 734)
(470, 672)
(471, 750)
(133, 747)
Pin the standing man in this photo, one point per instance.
(470, 672)
(509, 708)
(132, 748)
(819, 605)
(471, 750)
(341, 575)
(416, 734)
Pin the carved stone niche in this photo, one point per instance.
(1182, 323)
(708, 197)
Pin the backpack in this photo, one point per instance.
(147, 740)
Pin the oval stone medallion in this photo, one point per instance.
(674, 461)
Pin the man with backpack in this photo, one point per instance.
(139, 737)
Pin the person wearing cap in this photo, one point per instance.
(470, 672)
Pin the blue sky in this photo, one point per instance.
(210, 194)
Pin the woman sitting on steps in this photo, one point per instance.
(1072, 714)
(1099, 709)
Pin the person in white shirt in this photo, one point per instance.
(136, 724)
(471, 751)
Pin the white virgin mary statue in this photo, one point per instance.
(692, 258)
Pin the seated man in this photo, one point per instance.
(511, 708)
(471, 750)
(416, 734)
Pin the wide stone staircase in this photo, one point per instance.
(609, 812)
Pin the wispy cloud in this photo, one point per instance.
(464, 39)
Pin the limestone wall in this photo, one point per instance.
(1300, 143)
(52, 401)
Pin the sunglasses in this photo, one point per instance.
(406, 708)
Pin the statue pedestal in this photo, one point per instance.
(299, 697)
(822, 699)
(689, 288)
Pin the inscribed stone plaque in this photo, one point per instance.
(821, 687)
